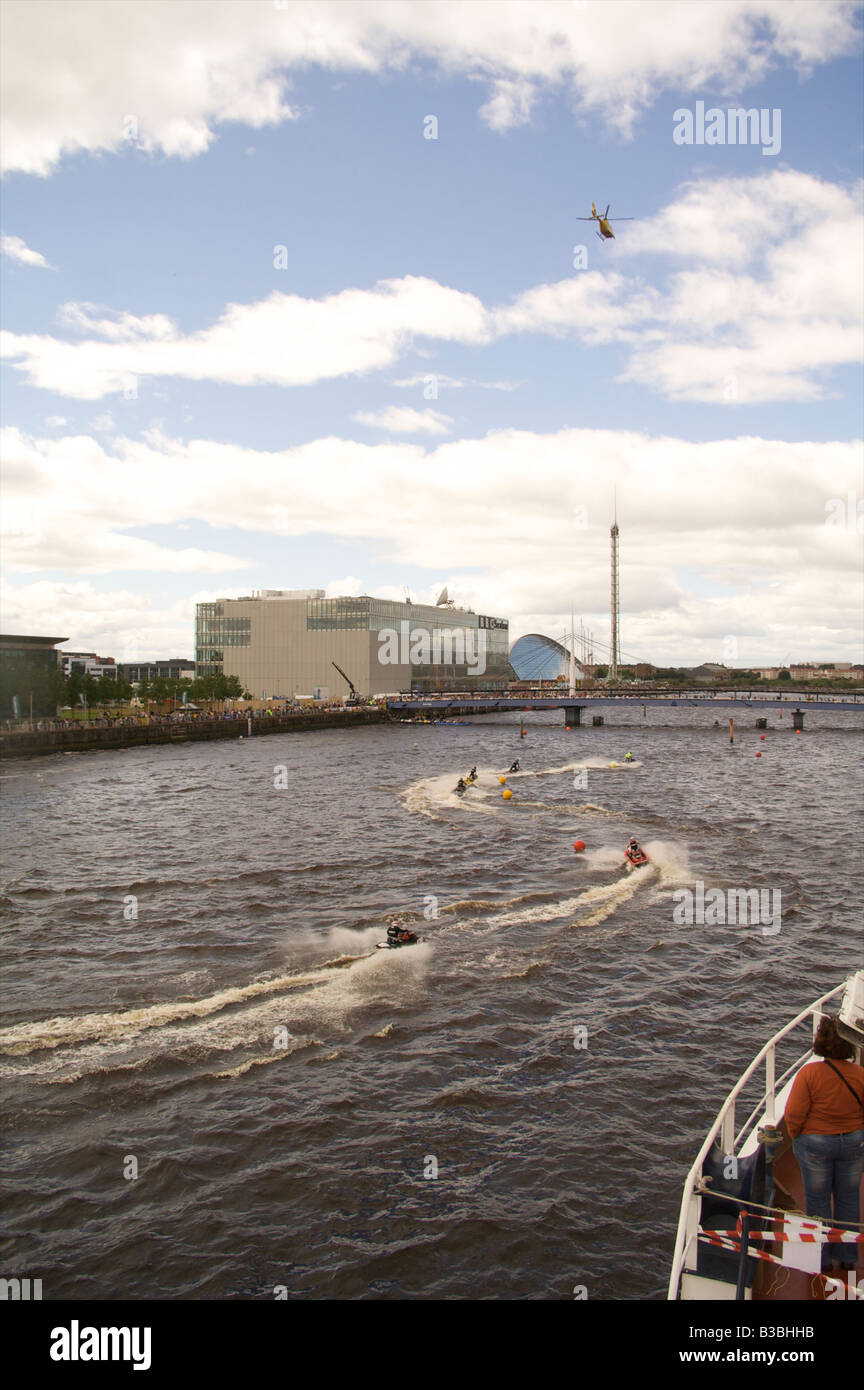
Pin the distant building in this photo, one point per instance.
(708, 672)
(28, 669)
(821, 670)
(87, 664)
(282, 643)
(176, 668)
(536, 658)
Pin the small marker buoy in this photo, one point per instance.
(797, 731)
(758, 755)
(613, 764)
(502, 780)
(566, 728)
(507, 794)
(578, 846)
(762, 736)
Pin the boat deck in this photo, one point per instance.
(780, 1285)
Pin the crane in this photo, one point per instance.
(354, 698)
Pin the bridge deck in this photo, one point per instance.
(479, 704)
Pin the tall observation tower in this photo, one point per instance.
(615, 651)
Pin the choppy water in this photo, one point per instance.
(304, 1164)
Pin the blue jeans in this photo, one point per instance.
(831, 1165)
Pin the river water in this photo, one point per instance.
(215, 1086)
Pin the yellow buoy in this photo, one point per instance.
(507, 795)
(613, 764)
(502, 780)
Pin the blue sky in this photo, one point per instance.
(703, 363)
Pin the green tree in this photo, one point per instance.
(91, 691)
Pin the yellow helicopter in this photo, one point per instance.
(603, 223)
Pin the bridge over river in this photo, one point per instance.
(457, 705)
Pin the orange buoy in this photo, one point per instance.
(762, 736)
(507, 794)
(502, 780)
(578, 846)
(758, 755)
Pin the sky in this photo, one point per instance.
(297, 295)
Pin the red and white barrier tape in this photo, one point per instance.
(726, 1241)
(806, 1233)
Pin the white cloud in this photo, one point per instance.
(753, 309)
(402, 419)
(119, 328)
(742, 316)
(117, 622)
(18, 250)
(284, 339)
(164, 77)
(440, 380)
(349, 587)
(728, 537)
(511, 103)
(103, 424)
(48, 524)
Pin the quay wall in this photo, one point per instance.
(24, 743)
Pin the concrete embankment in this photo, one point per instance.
(23, 743)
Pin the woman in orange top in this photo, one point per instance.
(825, 1119)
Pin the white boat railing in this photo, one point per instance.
(761, 1106)
(724, 1125)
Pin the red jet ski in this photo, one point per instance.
(396, 937)
(635, 856)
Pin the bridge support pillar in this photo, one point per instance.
(798, 720)
(573, 715)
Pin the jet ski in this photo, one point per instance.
(396, 937)
(635, 857)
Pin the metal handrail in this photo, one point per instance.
(760, 1104)
(691, 1195)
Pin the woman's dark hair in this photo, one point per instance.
(828, 1042)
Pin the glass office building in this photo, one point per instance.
(281, 644)
(29, 673)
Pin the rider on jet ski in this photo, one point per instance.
(514, 767)
(472, 775)
(399, 934)
(634, 851)
(461, 785)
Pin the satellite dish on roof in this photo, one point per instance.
(442, 598)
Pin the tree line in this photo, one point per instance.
(51, 690)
